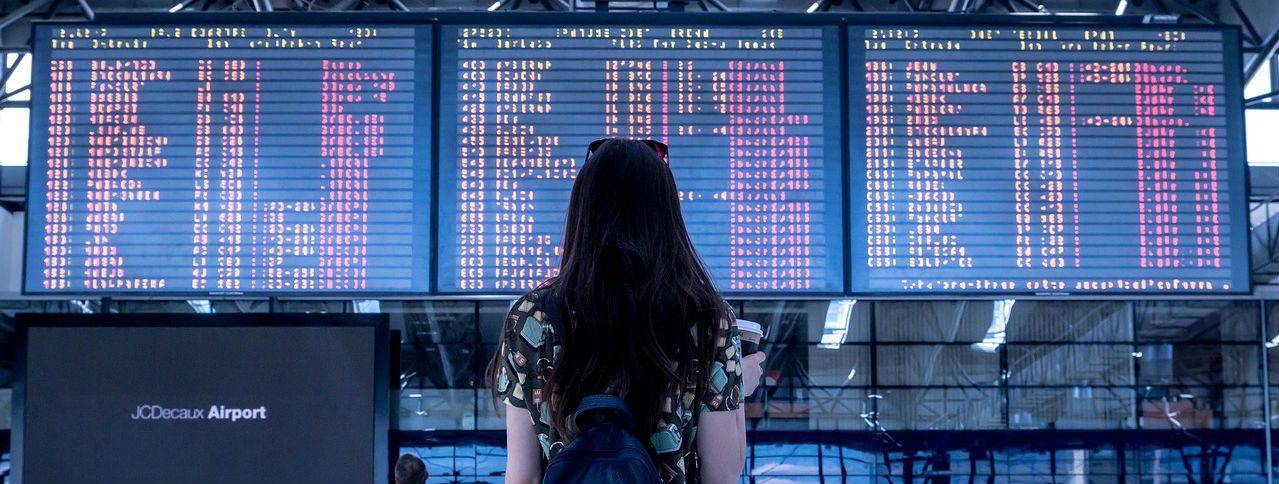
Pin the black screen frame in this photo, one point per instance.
(381, 365)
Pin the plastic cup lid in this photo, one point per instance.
(750, 326)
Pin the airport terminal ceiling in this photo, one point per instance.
(1171, 390)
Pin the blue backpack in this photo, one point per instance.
(604, 449)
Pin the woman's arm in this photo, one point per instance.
(508, 371)
(523, 453)
(721, 446)
(721, 436)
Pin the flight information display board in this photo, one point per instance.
(1039, 159)
(813, 158)
(229, 159)
(752, 115)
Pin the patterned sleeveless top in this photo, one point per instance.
(530, 345)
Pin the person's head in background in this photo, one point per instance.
(410, 470)
(631, 284)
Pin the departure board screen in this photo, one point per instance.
(229, 159)
(751, 115)
(1054, 160)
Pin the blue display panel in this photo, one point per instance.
(229, 159)
(1057, 160)
(751, 113)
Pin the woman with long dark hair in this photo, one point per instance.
(636, 316)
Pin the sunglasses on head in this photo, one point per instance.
(657, 146)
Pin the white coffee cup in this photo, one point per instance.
(752, 333)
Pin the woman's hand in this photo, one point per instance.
(752, 370)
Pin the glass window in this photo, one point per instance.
(1078, 407)
(1177, 460)
(1098, 464)
(1271, 344)
(492, 316)
(777, 408)
(6, 406)
(808, 364)
(14, 118)
(433, 321)
(21, 75)
(1186, 407)
(184, 307)
(427, 364)
(1084, 365)
(1066, 322)
(932, 321)
(9, 308)
(1199, 364)
(1274, 411)
(466, 461)
(241, 306)
(1244, 408)
(838, 409)
(940, 409)
(1070, 364)
(1260, 84)
(807, 321)
(437, 409)
(1176, 320)
(781, 461)
(804, 462)
(313, 306)
(489, 413)
(921, 365)
(13, 135)
(843, 366)
(1262, 144)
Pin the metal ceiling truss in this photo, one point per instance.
(1265, 238)
(7, 92)
(1259, 45)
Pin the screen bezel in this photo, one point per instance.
(381, 365)
(1237, 161)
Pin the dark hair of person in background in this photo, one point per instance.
(629, 287)
(410, 470)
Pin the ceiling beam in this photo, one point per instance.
(20, 12)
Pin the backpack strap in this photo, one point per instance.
(600, 401)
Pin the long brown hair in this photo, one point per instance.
(639, 310)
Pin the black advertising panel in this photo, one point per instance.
(165, 398)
